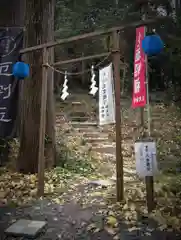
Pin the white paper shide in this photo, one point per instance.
(106, 96)
(146, 162)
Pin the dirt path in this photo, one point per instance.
(71, 221)
(86, 208)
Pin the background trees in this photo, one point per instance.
(76, 17)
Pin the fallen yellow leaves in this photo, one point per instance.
(19, 189)
(112, 221)
(166, 221)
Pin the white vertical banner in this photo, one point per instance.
(106, 96)
(146, 162)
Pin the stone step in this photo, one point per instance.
(59, 116)
(88, 129)
(60, 120)
(60, 113)
(107, 155)
(96, 139)
(60, 124)
(77, 134)
(90, 137)
(95, 144)
(94, 134)
(158, 117)
(104, 144)
(79, 119)
(68, 102)
(108, 150)
(83, 124)
(63, 103)
(77, 103)
(78, 113)
(110, 144)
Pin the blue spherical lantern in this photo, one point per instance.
(21, 70)
(152, 45)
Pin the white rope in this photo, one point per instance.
(77, 73)
(93, 87)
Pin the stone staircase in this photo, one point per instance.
(83, 120)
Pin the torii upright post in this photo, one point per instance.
(117, 87)
(41, 157)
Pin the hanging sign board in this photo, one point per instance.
(146, 163)
(11, 42)
(139, 78)
(106, 96)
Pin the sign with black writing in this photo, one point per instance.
(106, 96)
(11, 41)
(146, 162)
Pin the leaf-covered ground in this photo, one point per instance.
(86, 179)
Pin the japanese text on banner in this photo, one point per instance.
(139, 89)
(5, 89)
(11, 41)
(106, 96)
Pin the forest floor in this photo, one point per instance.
(80, 195)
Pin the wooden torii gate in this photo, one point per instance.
(116, 65)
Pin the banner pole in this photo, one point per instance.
(147, 95)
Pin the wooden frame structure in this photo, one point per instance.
(116, 65)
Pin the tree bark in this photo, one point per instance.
(12, 13)
(50, 120)
(37, 24)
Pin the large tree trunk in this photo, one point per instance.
(12, 13)
(37, 23)
(50, 121)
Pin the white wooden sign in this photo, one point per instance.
(106, 96)
(146, 162)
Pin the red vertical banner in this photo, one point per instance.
(139, 79)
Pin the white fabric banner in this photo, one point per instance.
(106, 96)
(146, 162)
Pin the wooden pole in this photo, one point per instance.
(149, 179)
(41, 157)
(119, 156)
(81, 59)
(95, 34)
(142, 122)
(150, 193)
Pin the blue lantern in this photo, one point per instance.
(152, 45)
(21, 70)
